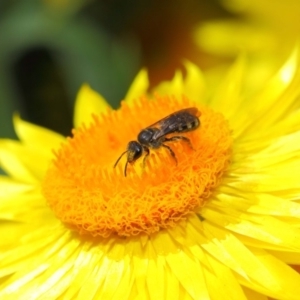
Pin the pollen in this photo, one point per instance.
(89, 195)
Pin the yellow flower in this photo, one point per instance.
(260, 27)
(221, 223)
(266, 30)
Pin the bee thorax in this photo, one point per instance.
(146, 135)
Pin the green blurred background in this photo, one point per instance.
(49, 48)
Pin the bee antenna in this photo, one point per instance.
(120, 158)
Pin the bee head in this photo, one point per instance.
(134, 151)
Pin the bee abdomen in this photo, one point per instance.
(189, 126)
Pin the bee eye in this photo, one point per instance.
(135, 150)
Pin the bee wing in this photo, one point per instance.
(173, 122)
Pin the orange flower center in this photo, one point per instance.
(86, 192)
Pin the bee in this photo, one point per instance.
(156, 135)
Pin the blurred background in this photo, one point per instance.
(48, 48)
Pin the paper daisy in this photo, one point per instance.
(221, 221)
(268, 28)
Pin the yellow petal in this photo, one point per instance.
(290, 258)
(228, 99)
(272, 180)
(40, 241)
(140, 269)
(87, 257)
(276, 284)
(155, 278)
(286, 125)
(88, 102)
(114, 274)
(11, 232)
(253, 295)
(98, 275)
(20, 202)
(281, 149)
(233, 250)
(17, 160)
(173, 287)
(11, 290)
(221, 282)
(275, 100)
(50, 274)
(278, 234)
(175, 86)
(42, 139)
(125, 284)
(212, 246)
(11, 162)
(138, 87)
(194, 83)
(230, 37)
(10, 188)
(262, 203)
(187, 270)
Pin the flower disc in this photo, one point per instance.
(86, 192)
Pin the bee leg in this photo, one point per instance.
(171, 152)
(179, 137)
(147, 151)
(125, 169)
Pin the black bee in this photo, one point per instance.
(155, 135)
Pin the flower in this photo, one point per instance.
(222, 223)
(267, 27)
(265, 30)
